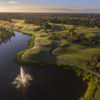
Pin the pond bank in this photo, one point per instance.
(91, 80)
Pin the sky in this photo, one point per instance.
(62, 6)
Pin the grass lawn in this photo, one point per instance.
(44, 42)
(69, 52)
(76, 54)
(40, 50)
(50, 47)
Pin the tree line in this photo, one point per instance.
(89, 20)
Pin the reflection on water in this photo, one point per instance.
(5, 35)
(50, 83)
(22, 79)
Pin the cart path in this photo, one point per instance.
(85, 69)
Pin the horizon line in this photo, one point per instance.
(57, 12)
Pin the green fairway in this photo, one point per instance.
(75, 45)
(76, 54)
(52, 46)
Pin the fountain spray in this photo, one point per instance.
(22, 79)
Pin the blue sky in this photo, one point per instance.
(50, 6)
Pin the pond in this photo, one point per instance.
(34, 83)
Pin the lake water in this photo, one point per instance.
(49, 83)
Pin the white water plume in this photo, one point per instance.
(22, 79)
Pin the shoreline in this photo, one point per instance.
(89, 78)
(91, 86)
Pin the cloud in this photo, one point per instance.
(12, 2)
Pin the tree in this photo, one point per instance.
(95, 62)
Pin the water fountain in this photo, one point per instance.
(22, 79)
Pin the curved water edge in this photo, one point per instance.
(42, 64)
(50, 83)
(89, 94)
